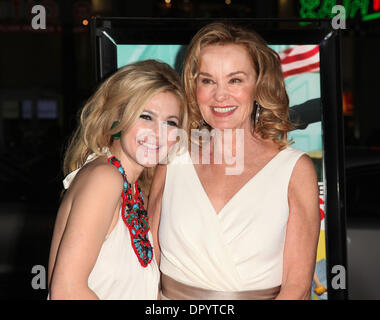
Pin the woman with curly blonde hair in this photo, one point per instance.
(252, 233)
(102, 245)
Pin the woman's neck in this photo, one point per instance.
(132, 168)
(231, 141)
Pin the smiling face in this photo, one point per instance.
(147, 142)
(225, 86)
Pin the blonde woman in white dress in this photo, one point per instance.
(102, 246)
(248, 235)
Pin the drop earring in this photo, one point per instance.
(199, 124)
(257, 112)
(203, 123)
(117, 135)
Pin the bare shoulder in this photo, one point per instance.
(98, 175)
(303, 182)
(304, 169)
(95, 185)
(95, 192)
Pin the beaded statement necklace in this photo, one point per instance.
(135, 217)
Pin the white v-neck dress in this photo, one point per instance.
(241, 247)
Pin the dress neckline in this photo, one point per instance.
(235, 195)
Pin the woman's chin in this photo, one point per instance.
(151, 160)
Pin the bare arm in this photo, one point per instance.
(154, 207)
(302, 232)
(95, 201)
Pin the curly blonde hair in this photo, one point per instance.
(121, 97)
(270, 93)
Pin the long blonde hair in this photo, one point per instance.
(121, 97)
(270, 93)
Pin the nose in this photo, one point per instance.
(160, 130)
(156, 132)
(150, 133)
(220, 93)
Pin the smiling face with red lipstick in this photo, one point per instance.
(225, 86)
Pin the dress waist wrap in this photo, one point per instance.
(174, 290)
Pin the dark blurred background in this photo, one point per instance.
(46, 76)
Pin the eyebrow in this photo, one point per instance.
(150, 112)
(173, 117)
(235, 73)
(205, 74)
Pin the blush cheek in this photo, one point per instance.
(203, 95)
(245, 96)
(129, 144)
(204, 100)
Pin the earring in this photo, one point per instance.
(203, 123)
(257, 112)
(198, 124)
(118, 134)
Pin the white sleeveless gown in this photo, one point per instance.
(117, 273)
(241, 247)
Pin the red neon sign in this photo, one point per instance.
(376, 5)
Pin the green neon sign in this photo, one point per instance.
(371, 16)
(323, 9)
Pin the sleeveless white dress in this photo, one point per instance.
(241, 247)
(117, 273)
